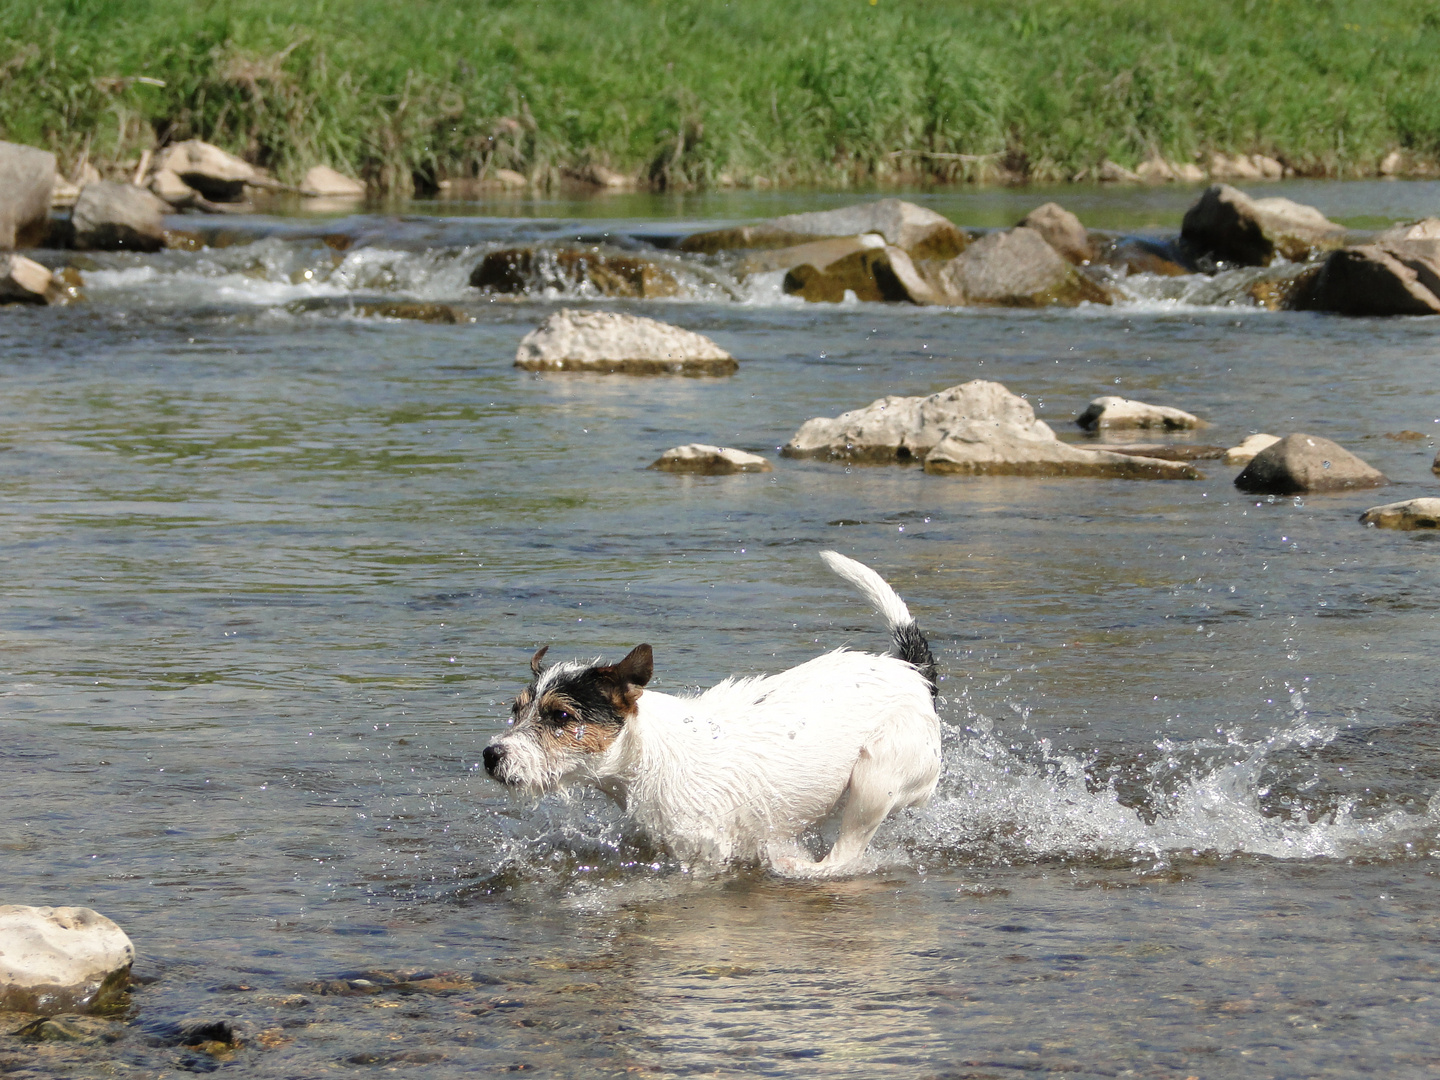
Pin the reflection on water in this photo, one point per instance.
(273, 576)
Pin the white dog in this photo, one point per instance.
(742, 770)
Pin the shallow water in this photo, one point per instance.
(274, 572)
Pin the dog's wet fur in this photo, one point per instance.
(741, 771)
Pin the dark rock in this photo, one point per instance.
(1016, 269)
(27, 179)
(419, 310)
(1301, 463)
(1399, 279)
(1062, 231)
(85, 1030)
(110, 216)
(921, 233)
(872, 274)
(519, 270)
(1229, 226)
(1139, 255)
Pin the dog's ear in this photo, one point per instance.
(535, 667)
(637, 667)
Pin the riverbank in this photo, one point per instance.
(690, 95)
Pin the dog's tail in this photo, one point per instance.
(909, 643)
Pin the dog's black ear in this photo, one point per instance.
(637, 667)
(535, 668)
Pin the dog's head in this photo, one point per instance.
(566, 720)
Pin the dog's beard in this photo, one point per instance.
(533, 770)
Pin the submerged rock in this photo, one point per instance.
(1230, 226)
(323, 182)
(1118, 412)
(997, 448)
(1301, 463)
(613, 343)
(109, 216)
(1061, 230)
(872, 274)
(710, 460)
(81, 1030)
(61, 959)
(1016, 269)
(1400, 278)
(1249, 447)
(216, 174)
(1168, 451)
(518, 270)
(1410, 514)
(27, 180)
(921, 233)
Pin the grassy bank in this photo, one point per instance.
(696, 92)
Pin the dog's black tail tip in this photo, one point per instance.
(911, 646)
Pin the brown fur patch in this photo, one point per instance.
(590, 738)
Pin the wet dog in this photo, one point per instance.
(740, 772)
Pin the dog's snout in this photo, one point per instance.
(493, 756)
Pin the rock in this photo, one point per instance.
(1169, 451)
(1117, 412)
(710, 460)
(1268, 167)
(27, 179)
(610, 342)
(24, 281)
(1298, 464)
(1188, 173)
(110, 216)
(1111, 173)
(818, 254)
(1230, 226)
(872, 274)
(324, 182)
(1233, 168)
(167, 185)
(519, 270)
(1410, 514)
(1390, 164)
(63, 194)
(84, 1030)
(1139, 255)
(1435, 465)
(217, 175)
(65, 959)
(998, 448)
(1404, 436)
(1155, 171)
(1398, 279)
(1016, 269)
(509, 178)
(1061, 230)
(418, 310)
(1424, 229)
(1248, 448)
(603, 177)
(922, 233)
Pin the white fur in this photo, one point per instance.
(742, 770)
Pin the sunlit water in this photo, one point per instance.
(274, 570)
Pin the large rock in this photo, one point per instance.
(1423, 229)
(1062, 231)
(710, 460)
(323, 182)
(1118, 412)
(216, 174)
(819, 254)
(519, 270)
(27, 179)
(1016, 269)
(610, 342)
(1299, 464)
(65, 959)
(922, 233)
(999, 448)
(872, 274)
(1400, 278)
(1230, 226)
(1410, 514)
(1249, 447)
(24, 281)
(110, 216)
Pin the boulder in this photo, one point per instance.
(167, 185)
(922, 233)
(1248, 448)
(1016, 269)
(1424, 229)
(1139, 255)
(710, 460)
(324, 182)
(1155, 171)
(1392, 163)
(818, 254)
(1239, 167)
(610, 342)
(217, 175)
(1117, 412)
(1298, 464)
(1401, 278)
(1111, 173)
(24, 281)
(27, 180)
(872, 274)
(110, 216)
(999, 448)
(61, 959)
(1061, 230)
(1188, 173)
(520, 270)
(1230, 226)
(1410, 514)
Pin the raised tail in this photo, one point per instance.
(909, 643)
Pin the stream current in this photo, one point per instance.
(274, 568)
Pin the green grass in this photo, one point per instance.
(698, 92)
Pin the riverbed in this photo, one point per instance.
(275, 567)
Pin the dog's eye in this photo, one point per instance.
(565, 715)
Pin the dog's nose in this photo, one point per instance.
(494, 755)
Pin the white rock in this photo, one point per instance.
(1248, 448)
(710, 460)
(324, 182)
(1188, 173)
(1390, 163)
(1410, 514)
(1111, 173)
(62, 959)
(1155, 171)
(1118, 412)
(27, 179)
(166, 183)
(24, 281)
(1000, 448)
(608, 341)
(214, 173)
(510, 178)
(110, 216)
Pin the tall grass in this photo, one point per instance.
(696, 92)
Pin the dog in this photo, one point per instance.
(741, 771)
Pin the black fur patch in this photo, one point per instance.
(585, 697)
(911, 646)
